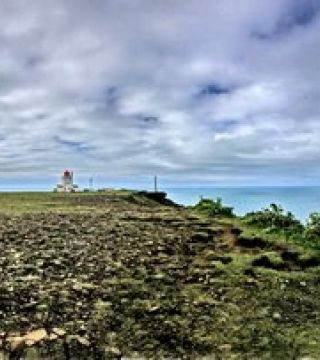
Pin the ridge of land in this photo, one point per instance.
(117, 274)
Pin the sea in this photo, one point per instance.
(300, 200)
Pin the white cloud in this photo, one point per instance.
(120, 85)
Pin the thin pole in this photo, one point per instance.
(155, 184)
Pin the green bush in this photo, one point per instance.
(312, 231)
(275, 219)
(213, 207)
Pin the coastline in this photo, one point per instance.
(300, 200)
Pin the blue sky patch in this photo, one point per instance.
(77, 146)
(213, 89)
(301, 14)
(223, 125)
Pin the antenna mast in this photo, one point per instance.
(156, 184)
(91, 183)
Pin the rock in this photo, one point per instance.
(58, 331)
(42, 307)
(112, 350)
(225, 347)
(53, 337)
(251, 282)
(80, 339)
(276, 316)
(35, 336)
(31, 338)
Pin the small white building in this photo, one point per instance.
(67, 184)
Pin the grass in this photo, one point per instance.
(272, 223)
(15, 203)
(132, 277)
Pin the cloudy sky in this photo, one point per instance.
(199, 91)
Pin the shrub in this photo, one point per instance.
(312, 231)
(213, 207)
(274, 219)
(313, 226)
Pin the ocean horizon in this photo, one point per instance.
(300, 200)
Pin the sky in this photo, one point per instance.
(217, 92)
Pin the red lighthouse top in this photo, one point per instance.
(67, 173)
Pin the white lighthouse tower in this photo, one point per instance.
(67, 184)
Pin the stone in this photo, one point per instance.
(112, 350)
(58, 331)
(31, 338)
(276, 316)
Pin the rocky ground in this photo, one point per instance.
(110, 276)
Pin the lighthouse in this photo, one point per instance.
(67, 184)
